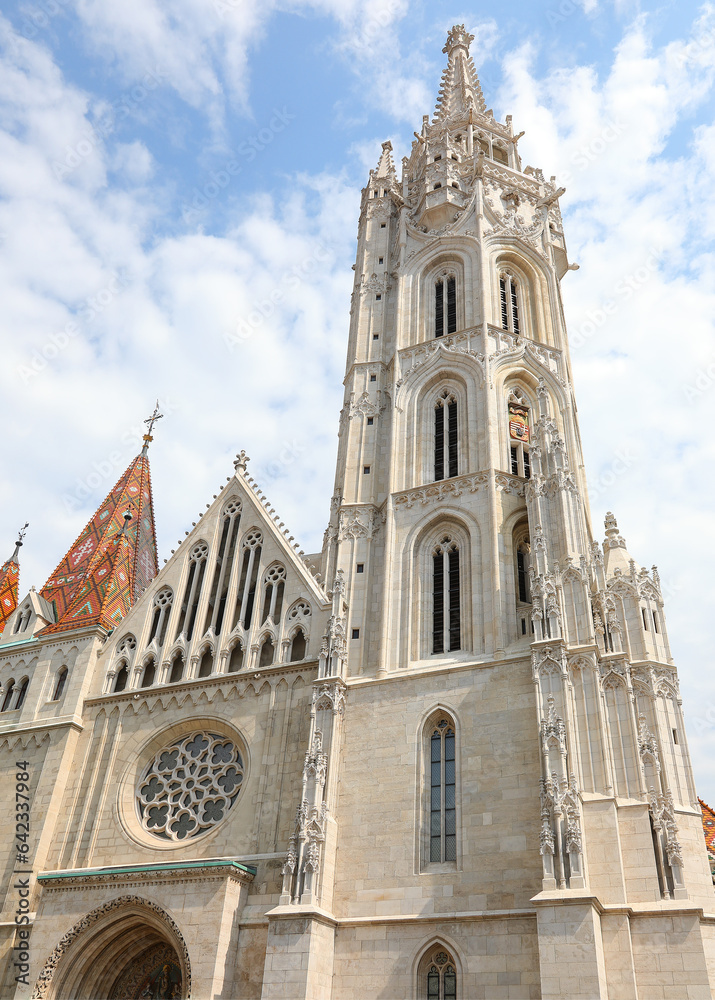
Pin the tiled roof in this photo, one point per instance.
(112, 562)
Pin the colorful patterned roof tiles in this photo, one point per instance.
(106, 594)
(709, 831)
(83, 573)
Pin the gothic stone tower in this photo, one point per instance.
(444, 758)
(517, 814)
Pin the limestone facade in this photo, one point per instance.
(443, 758)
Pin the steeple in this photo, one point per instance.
(9, 580)
(460, 90)
(111, 547)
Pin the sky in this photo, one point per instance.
(179, 195)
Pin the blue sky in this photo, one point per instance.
(179, 190)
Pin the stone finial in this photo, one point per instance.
(614, 539)
(241, 462)
(458, 36)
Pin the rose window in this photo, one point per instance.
(190, 786)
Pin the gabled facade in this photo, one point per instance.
(444, 758)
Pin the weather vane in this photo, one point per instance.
(150, 421)
(22, 532)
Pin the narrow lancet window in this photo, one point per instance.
(445, 305)
(446, 630)
(160, 616)
(249, 579)
(222, 570)
(192, 591)
(509, 301)
(60, 687)
(446, 463)
(273, 594)
(443, 815)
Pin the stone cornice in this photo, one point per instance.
(179, 871)
(196, 684)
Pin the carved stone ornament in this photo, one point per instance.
(45, 978)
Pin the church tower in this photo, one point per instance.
(443, 758)
(516, 790)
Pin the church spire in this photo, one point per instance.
(111, 548)
(9, 580)
(460, 90)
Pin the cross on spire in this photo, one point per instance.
(150, 421)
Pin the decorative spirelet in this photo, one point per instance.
(189, 786)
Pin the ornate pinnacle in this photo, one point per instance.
(241, 462)
(458, 36)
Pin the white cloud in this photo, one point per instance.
(640, 309)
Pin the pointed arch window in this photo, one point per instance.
(266, 655)
(445, 305)
(192, 590)
(509, 301)
(442, 793)
(224, 564)
(8, 695)
(519, 418)
(298, 646)
(22, 693)
(446, 617)
(177, 668)
(60, 685)
(249, 578)
(446, 463)
(206, 663)
(160, 616)
(149, 673)
(438, 978)
(122, 678)
(274, 587)
(235, 662)
(23, 619)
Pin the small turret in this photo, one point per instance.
(9, 581)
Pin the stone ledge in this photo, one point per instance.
(657, 908)
(168, 871)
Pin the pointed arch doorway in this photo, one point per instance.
(127, 949)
